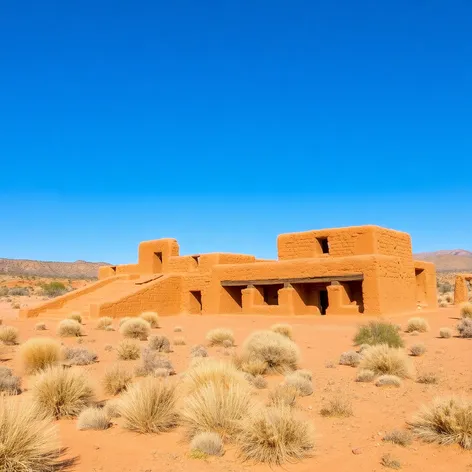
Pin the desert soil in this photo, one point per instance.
(321, 340)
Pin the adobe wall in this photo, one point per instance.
(426, 283)
(461, 292)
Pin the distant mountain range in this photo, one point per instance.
(458, 260)
(73, 270)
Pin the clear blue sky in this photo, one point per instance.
(225, 123)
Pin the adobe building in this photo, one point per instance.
(461, 288)
(345, 271)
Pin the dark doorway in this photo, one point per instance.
(196, 302)
(113, 269)
(324, 244)
(157, 263)
(324, 302)
(196, 259)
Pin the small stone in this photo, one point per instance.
(357, 451)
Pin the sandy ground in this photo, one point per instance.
(321, 340)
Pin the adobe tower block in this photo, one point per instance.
(342, 271)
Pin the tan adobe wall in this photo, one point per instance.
(461, 294)
(426, 284)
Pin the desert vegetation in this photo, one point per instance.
(39, 353)
(136, 328)
(151, 317)
(378, 332)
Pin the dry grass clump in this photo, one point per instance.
(112, 408)
(29, 440)
(465, 328)
(9, 335)
(75, 316)
(257, 381)
(216, 407)
(93, 418)
(337, 406)
(151, 361)
(123, 320)
(283, 394)
(466, 310)
(365, 375)
(210, 444)
(388, 381)
(178, 329)
(39, 353)
(391, 463)
(213, 371)
(116, 379)
(79, 356)
(151, 317)
(305, 373)
(159, 343)
(445, 421)
(136, 328)
(179, 341)
(69, 328)
(284, 329)
(363, 347)
(443, 303)
(251, 366)
(303, 386)
(382, 360)
(378, 332)
(62, 392)
(445, 333)
(128, 350)
(280, 354)
(149, 406)
(104, 322)
(217, 336)
(9, 384)
(198, 351)
(427, 378)
(402, 438)
(40, 327)
(351, 358)
(273, 435)
(417, 349)
(417, 324)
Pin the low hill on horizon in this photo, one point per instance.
(459, 260)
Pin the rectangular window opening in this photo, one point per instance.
(195, 302)
(324, 244)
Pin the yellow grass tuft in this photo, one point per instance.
(209, 444)
(40, 327)
(337, 406)
(128, 350)
(388, 381)
(283, 394)
(104, 323)
(136, 328)
(116, 379)
(151, 317)
(284, 329)
(62, 392)
(218, 336)
(39, 353)
(69, 328)
(382, 359)
(303, 386)
(445, 333)
(179, 341)
(123, 320)
(466, 310)
(75, 316)
(274, 435)
(9, 335)
(93, 418)
(417, 324)
(149, 406)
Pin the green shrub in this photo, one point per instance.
(378, 332)
(53, 289)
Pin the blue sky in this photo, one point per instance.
(225, 123)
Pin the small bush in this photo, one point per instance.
(363, 347)
(227, 344)
(62, 392)
(365, 375)
(53, 289)
(179, 341)
(136, 328)
(29, 439)
(116, 380)
(283, 329)
(303, 386)
(151, 317)
(123, 320)
(112, 408)
(378, 332)
(149, 406)
(257, 381)
(79, 356)
(466, 310)
(128, 350)
(305, 373)
(217, 336)
(382, 360)
(274, 435)
(210, 444)
(159, 343)
(417, 349)
(9, 384)
(75, 316)
(40, 327)
(178, 329)
(9, 335)
(402, 438)
(93, 418)
(445, 421)
(279, 353)
(69, 328)
(283, 394)
(104, 322)
(417, 324)
(388, 461)
(198, 351)
(217, 408)
(465, 328)
(350, 358)
(152, 360)
(443, 304)
(251, 366)
(39, 353)
(445, 333)
(427, 378)
(388, 381)
(19, 292)
(337, 406)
